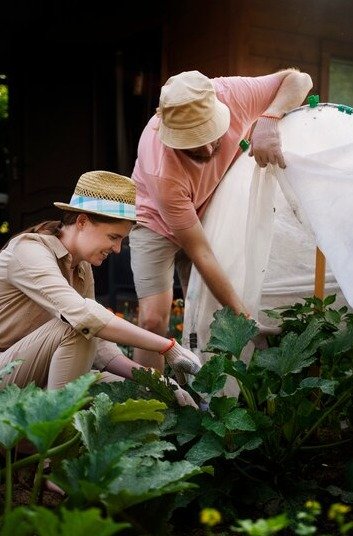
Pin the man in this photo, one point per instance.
(183, 154)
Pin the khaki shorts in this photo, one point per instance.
(153, 262)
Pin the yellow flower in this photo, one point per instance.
(313, 506)
(210, 517)
(338, 509)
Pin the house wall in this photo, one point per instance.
(227, 37)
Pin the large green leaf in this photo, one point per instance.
(211, 377)
(239, 419)
(341, 342)
(41, 521)
(98, 469)
(157, 384)
(46, 412)
(121, 391)
(146, 479)
(214, 425)
(122, 476)
(295, 352)
(222, 405)
(230, 332)
(94, 424)
(209, 446)
(98, 429)
(248, 444)
(326, 386)
(9, 397)
(238, 370)
(124, 499)
(187, 425)
(134, 410)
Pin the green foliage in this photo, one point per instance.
(139, 456)
(230, 333)
(4, 102)
(292, 395)
(262, 527)
(42, 522)
(121, 462)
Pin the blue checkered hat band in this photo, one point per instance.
(103, 206)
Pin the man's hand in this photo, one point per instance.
(266, 143)
(182, 362)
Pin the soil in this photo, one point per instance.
(22, 488)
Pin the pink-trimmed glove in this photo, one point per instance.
(182, 396)
(182, 361)
(266, 143)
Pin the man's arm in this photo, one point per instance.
(291, 93)
(265, 139)
(197, 247)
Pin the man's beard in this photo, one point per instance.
(199, 157)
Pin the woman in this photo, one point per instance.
(49, 317)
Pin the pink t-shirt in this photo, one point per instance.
(172, 189)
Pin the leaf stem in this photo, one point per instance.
(8, 485)
(37, 480)
(35, 458)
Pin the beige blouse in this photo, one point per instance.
(37, 284)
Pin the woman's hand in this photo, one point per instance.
(182, 361)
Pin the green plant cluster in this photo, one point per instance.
(138, 463)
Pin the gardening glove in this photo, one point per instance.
(182, 361)
(182, 396)
(266, 142)
(260, 340)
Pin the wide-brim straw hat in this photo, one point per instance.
(190, 113)
(103, 193)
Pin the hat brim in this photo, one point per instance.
(66, 206)
(190, 138)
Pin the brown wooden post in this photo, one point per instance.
(320, 268)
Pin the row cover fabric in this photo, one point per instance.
(264, 224)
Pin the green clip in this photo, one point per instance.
(313, 100)
(345, 109)
(244, 144)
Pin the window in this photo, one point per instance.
(340, 88)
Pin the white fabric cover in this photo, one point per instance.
(264, 224)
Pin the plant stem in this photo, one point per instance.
(34, 458)
(327, 445)
(324, 416)
(8, 488)
(37, 480)
(299, 442)
(248, 395)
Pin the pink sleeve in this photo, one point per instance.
(248, 97)
(174, 203)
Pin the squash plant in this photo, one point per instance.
(133, 460)
(105, 454)
(295, 405)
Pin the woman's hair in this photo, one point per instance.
(53, 227)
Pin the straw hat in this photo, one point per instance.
(191, 115)
(103, 193)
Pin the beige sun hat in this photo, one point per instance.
(104, 193)
(190, 113)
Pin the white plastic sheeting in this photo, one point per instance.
(264, 224)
